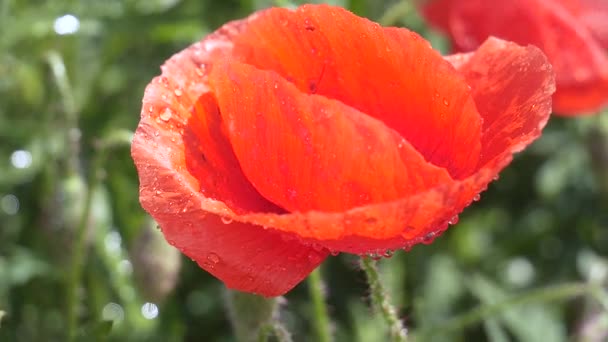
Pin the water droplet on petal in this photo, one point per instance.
(166, 114)
(177, 92)
(213, 258)
(428, 238)
(226, 220)
(453, 220)
(334, 253)
(477, 197)
(446, 102)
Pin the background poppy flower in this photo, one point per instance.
(572, 33)
(290, 135)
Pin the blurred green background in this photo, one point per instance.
(525, 263)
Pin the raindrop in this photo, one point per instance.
(10, 204)
(334, 253)
(166, 114)
(375, 255)
(428, 238)
(227, 220)
(496, 177)
(21, 159)
(453, 220)
(446, 102)
(213, 258)
(371, 220)
(477, 197)
(177, 92)
(150, 109)
(149, 310)
(308, 25)
(66, 24)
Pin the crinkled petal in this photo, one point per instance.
(189, 178)
(307, 152)
(512, 86)
(579, 61)
(388, 73)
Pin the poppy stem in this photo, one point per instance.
(396, 12)
(254, 316)
(317, 291)
(277, 330)
(381, 300)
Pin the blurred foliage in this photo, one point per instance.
(516, 266)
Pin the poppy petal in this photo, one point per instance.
(395, 76)
(518, 103)
(307, 152)
(512, 86)
(581, 66)
(189, 177)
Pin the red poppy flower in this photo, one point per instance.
(572, 33)
(290, 135)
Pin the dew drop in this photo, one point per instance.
(213, 258)
(177, 92)
(308, 25)
(453, 220)
(477, 197)
(335, 253)
(446, 102)
(428, 238)
(166, 114)
(158, 192)
(150, 109)
(226, 220)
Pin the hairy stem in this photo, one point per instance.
(321, 321)
(381, 300)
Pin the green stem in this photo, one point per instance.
(78, 255)
(548, 294)
(381, 301)
(397, 11)
(254, 317)
(70, 111)
(277, 330)
(321, 321)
